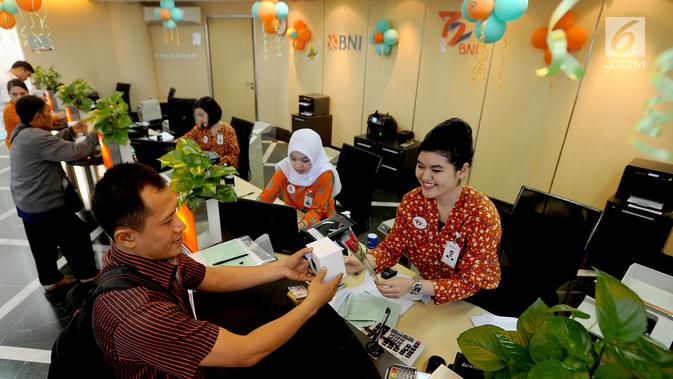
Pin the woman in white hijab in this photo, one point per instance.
(305, 179)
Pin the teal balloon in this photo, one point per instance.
(176, 14)
(282, 10)
(10, 6)
(2, 8)
(383, 24)
(168, 4)
(510, 10)
(493, 30)
(255, 9)
(157, 12)
(390, 37)
(371, 37)
(294, 34)
(383, 49)
(170, 24)
(463, 10)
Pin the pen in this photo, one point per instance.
(229, 260)
(247, 194)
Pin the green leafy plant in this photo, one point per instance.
(547, 345)
(111, 118)
(194, 178)
(76, 94)
(46, 79)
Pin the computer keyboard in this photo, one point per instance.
(401, 345)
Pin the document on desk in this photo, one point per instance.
(230, 253)
(364, 309)
(369, 287)
(507, 323)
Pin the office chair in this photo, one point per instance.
(243, 131)
(356, 194)
(543, 246)
(171, 93)
(125, 89)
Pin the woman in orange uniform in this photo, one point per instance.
(213, 134)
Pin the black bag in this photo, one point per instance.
(75, 353)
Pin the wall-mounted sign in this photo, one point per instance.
(458, 29)
(344, 42)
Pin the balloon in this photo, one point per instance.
(167, 4)
(463, 11)
(157, 12)
(29, 5)
(267, 11)
(510, 10)
(383, 49)
(271, 26)
(566, 22)
(390, 37)
(378, 37)
(255, 9)
(282, 10)
(165, 14)
(547, 56)
(371, 37)
(10, 6)
(170, 24)
(539, 37)
(577, 36)
(176, 14)
(291, 33)
(7, 21)
(299, 25)
(480, 9)
(383, 24)
(304, 35)
(493, 29)
(298, 44)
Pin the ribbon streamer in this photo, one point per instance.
(653, 120)
(558, 43)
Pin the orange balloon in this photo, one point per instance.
(271, 26)
(547, 56)
(577, 36)
(566, 21)
(539, 37)
(7, 21)
(304, 35)
(298, 25)
(299, 44)
(267, 11)
(378, 37)
(29, 5)
(480, 9)
(165, 14)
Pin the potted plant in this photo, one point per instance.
(198, 182)
(111, 120)
(76, 96)
(547, 345)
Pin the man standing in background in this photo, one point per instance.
(21, 70)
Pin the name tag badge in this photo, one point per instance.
(308, 200)
(205, 139)
(220, 139)
(290, 189)
(451, 254)
(419, 222)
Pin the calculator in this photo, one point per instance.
(402, 346)
(400, 372)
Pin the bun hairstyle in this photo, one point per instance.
(210, 106)
(452, 139)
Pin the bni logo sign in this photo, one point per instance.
(625, 42)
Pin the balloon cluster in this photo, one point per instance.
(169, 14)
(491, 16)
(576, 36)
(8, 8)
(299, 34)
(384, 37)
(272, 13)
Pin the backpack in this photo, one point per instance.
(76, 353)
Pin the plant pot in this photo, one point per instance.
(202, 226)
(114, 154)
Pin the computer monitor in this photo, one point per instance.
(148, 152)
(125, 89)
(254, 218)
(180, 115)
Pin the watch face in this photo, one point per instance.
(416, 288)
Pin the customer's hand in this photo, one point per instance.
(394, 288)
(353, 265)
(80, 127)
(320, 292)
(297, 267)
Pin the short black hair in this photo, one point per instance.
(451, 138)
(24, 65)
(210, 106)
(16, 83)
(27, 107)
(117, 200)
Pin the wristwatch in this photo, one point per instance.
(416, 288)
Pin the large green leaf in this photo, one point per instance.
(561, 339)
(611, 371)
(629, 356)
(532, 318)
(567, 308)
(181, 184)
(655, 351)
(195, 203)
(621, 313)
(551, 369)
(208, 190)
(544, 345)
(491, 348)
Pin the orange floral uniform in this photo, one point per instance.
(473, 224)
(226, 146)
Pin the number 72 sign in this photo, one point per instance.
(452, 23)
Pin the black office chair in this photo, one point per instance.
(171, 93)
(125, 89)
(543, 247)
(356, 194)
(243, 131)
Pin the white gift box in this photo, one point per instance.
(326, 253)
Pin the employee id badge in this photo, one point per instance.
(451, 253)
(220, 139)
(308, 200)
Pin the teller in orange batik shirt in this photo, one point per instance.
(213, 134)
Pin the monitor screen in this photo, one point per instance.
(254, 218)
(148, 152)
(180, 115)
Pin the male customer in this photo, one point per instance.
(44, 198)
(146, 333)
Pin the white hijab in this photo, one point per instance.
(308, 142)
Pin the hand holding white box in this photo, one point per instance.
(326, 253)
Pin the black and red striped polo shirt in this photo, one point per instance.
(150, 334)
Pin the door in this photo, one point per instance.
(232, 66)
